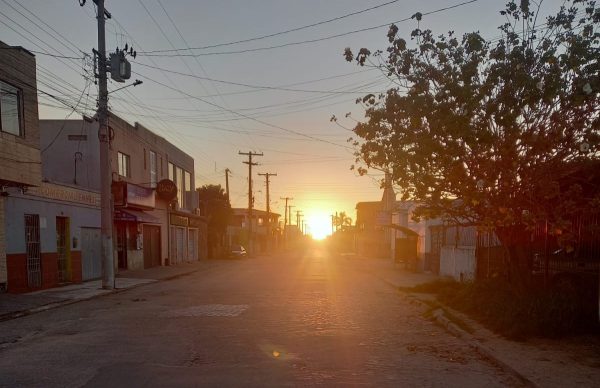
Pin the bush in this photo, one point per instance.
(518, 312)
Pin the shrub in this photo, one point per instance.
(518, 312)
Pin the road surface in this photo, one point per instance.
(306, 320)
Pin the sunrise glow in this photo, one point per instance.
(319, 226)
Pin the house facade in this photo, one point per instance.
(149, 228)
(20, 161)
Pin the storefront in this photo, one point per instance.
(138, 225)
(52, 236)
(184, 237)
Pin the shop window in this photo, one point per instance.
(10, 109)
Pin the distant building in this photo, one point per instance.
(237, 231)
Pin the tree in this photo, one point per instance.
(342, 220)
(216, 207)
(487, 132)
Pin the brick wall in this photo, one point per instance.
(17, 68)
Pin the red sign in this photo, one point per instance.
(166, 189)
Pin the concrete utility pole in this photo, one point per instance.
(267, 175)
(227, 171)
(106, 213)
(285, 217)
(250, 199)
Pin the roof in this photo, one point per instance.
(237, 211)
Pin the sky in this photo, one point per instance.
(275, 92)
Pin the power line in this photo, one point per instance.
(246, 116)
(249, 85)
(154, 54)
(276, 33)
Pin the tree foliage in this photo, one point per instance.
(342, 220)
(487, 132)
(216, 207)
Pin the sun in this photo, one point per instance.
(319, 226)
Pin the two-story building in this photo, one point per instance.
(20, 162)
(42, 224)
(149, 229)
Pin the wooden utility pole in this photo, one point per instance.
(227, 171)
(250, 154)
(267, 175)
(298, 215)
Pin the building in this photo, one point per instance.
(150, 228)
(20, 162)
(265, 235)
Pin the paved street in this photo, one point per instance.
(306, 320)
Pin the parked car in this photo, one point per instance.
(237, 252)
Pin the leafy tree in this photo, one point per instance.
(491, 132)
(342, 220)
(216, 207)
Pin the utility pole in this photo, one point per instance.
(106, 212)
(298, 215)
(227, 171)
(267, 175)
(285, 217)
(250, 154)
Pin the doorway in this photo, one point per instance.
(151, 235)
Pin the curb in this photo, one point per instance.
(441, 319)
(51, 306)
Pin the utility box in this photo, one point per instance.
(120, 68)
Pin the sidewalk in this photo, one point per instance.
(536, 362)
(18, 305)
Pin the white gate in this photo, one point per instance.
(91, 265)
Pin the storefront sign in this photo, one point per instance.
(130, 195)
(64, 193)
(177, 220)
(196, 222)
(166, 189)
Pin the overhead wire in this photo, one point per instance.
(159, 53)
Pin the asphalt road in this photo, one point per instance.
(308, 320)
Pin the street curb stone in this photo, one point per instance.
(51, 306)
(441, 319)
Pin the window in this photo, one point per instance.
(180, 188)
(188, 182)
(153, 174)
(10, 109)
(124, 164)
(170, 169)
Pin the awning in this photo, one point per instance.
(135, 216)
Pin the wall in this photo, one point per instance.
(18, 205)
(58, 161)
(21, 154)
(458, 262)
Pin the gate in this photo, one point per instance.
(32, 248)
(91, 264)
(62, 249)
